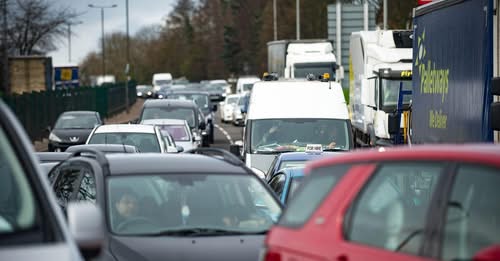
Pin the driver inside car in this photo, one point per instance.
(125, 206)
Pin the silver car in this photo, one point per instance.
(32, 226)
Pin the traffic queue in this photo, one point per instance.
(294, 188)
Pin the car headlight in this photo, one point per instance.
(160, 96)
(139, 94)
(149, 93)
(53, 137)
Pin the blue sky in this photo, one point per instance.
(85, 36)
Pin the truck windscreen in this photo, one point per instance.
(390, 92)
(301, 70)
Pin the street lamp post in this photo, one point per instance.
(127, 69)
(102, 7)
(69, 38)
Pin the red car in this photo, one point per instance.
(425, 203)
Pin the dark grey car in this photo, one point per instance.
(165, 207)
(72, 128)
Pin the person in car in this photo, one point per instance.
(125, 206)
(329, 135)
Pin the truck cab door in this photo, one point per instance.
(369, 92)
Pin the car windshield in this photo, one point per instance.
(163, 82)
(390, 92)
(144, 88)
(146, 142)
(188, 204)
(73, 121)
(178, 132)
(301, 70)
(280, 135)
(170, 113)
(200, 99)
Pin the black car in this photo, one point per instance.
(177, 109)
(72, 128)
(208, 206)
(202, 99)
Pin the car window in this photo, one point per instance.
(146, 142)
(152, 204)
(314, 190)
(473, 214)
(270, 171)
(170, 112)
(294, 184)
(390, 211)
(18, 208)
(277, 184)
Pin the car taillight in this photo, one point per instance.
(269, 255)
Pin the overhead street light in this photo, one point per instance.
(102, 7)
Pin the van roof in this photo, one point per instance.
(297, 99)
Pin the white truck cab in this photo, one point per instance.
(161, 79)
(289, 115)
(380, 63)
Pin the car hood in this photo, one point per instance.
(77, 136)
(187, 248)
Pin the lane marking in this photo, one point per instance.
(228, 137)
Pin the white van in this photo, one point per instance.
(245, 83)
(287, 115)
(161, 79)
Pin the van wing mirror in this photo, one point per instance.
(368, 92)
(86, 225)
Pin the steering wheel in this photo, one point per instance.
(133, 220)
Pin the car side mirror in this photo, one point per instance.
(243, 109)
(488, 254)
(214, 108)
(202, 125)
(85, 224)
(179, 149)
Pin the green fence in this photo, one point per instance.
(38, 110)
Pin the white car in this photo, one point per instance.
(238, 117)
(178, 130)
(146, 138)
(245, 83)
(226, 111)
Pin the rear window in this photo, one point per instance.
(307, 199)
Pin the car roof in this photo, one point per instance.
(170, 102)
(189, 91)
(125, 128)
(164, 122)
(155, 163)
(79, 112)
(294, 172)
(288, 156)
(297, 99)
(45, 157)
(439, 152)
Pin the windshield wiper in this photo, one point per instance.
(273, 151)
(334, 149)
(200, 232)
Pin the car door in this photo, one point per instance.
(387, 219)
(472, 214)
